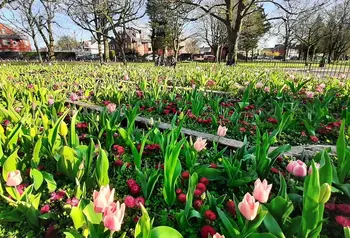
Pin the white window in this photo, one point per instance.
(6, 42)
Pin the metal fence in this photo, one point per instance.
(336, 69)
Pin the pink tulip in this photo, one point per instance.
(217, 235)
(261, 190)
(74, 97)
(267, 89)
(309, 94)
(111, 107)
(322, 85)
(51, 101)
(259, 85)
(126, 77)
(297, 168)
(248, 207)
(113, 216)
(103, 199)
(14, 178)
(200, 144)
(222, 131)
(310, 168)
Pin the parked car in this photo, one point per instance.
(185, 57)
(209, 58)
(150, 57)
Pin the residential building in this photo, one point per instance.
(91, 47)
(136, 42)
(13, 41)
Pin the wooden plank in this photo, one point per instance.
(296, 151)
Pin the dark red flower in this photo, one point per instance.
(136, 219)
(242, 129)
(272, 120)
(185, 175)
(330, 207)
(303, 134)
(129, 201)
(135, 189)
(343, 209)
(140, 200)
(82, 125)
(166, 112)
(207, 230)
(118, 163)
(231, 207)
(73, 202)
(131, 182)
(197, 193)
(178, 191)
(343, 221)
(197, 204)
(213, 166)
(210, 215)
(181, 197)
(45, 209)
(314, 139)
(55, 196)
(119, 149)
(51, 232)
(204, 180)
(202, 187)
(280, 159)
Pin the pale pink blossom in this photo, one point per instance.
(259, 85)
(103, 199)
(222, 131)
(248, 207)
(74, 97)
(111, 107)
(217, 235)
(261, 190)
(309, 94)
(297, 168)
(14, 178)
(200, 144)
(267, 89)
(113, 216)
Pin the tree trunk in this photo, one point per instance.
(99, 48)
(246, 55)
(307, 55)
(233, 36)
(217, 54)
(37, 49)
(51, 46)
(106, 49)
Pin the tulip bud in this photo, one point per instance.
(151, 121)
(63, 129)
(32, 132)
(2, 131)
(181, 116)
(45, 121)
(325, 193)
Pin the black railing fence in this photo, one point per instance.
(335, 69)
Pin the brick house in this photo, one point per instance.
(135, 43)
(13, 41)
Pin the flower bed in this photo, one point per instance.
(76, 172)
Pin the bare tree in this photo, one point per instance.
(100, 17)
(44, 23)
(22, 17)
(337, 30)
(87, 15)
(232, 13)
(4, 2)
(309, 33)
(214, 34)
(191, 46)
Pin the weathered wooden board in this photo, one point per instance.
(296, 151)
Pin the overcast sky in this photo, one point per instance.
(67, 27)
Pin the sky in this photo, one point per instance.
(67, 27)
